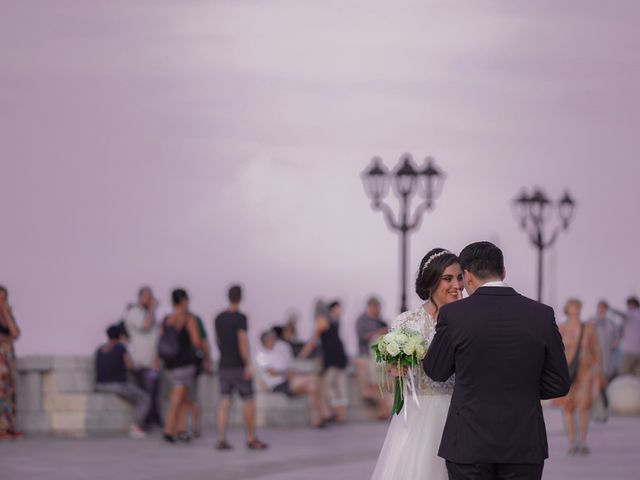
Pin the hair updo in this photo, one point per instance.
(428, 279)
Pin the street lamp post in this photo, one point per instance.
(533, 211)
(406, 181)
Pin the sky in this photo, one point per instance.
(199, 144)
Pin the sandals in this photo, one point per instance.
(223, 445)
(256, 444)
(330, 419)
(321, 425)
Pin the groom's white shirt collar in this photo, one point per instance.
(497, 283)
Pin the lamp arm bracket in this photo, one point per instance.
(388, 215)
(553, 238)
(532, 232)
(417, 216)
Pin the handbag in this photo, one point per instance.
(575, 361)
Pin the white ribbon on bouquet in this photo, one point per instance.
(410, 386)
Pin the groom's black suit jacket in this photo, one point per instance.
(507, 355)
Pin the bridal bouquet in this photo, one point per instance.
(403, 348)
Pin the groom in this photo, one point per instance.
(507, 355)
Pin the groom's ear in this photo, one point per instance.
(504, 273)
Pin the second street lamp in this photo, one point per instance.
(405, 180)
(534, 210)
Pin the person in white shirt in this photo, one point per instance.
(274, 366)
(142, 329)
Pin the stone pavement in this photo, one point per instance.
(338, 453)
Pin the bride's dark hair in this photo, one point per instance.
(428, 278)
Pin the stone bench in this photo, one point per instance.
(56, 397)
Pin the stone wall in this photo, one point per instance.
(56, 397)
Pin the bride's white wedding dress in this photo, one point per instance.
(410, 450)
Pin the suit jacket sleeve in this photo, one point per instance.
(439, 364)
(554, 381)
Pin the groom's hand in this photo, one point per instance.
(393, 371)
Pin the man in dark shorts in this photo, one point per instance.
(235, 370)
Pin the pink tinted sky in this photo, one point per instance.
(201, 143)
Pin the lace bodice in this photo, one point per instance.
(420, 321)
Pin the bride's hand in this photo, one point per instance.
(393, 371)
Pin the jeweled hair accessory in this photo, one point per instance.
(433, 257)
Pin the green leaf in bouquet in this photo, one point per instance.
(398, 398)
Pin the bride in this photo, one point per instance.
(410, 450)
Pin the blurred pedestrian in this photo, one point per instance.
(235, 370)
(112, 361)
(142, 329)
(179, 335)
(369, 327)
(9, 333)
(630, 343)
(583, 356)
(334, 358)
(608, 339)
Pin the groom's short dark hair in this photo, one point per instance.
(483, 259)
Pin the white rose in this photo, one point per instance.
(420, 351)
(389, 337)
(393, 349)
(409, 348)
(402, 338)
